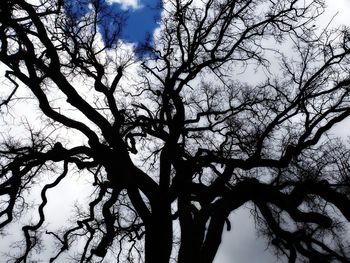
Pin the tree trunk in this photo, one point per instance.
(159, 236)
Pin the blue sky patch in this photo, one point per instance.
(139, 23)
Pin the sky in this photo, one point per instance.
(241, 244)
(142, 17)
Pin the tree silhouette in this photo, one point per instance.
(230, 103)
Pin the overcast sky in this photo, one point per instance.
(241, 244)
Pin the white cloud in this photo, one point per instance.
(241, 244)
(339, 10)
(127, 4)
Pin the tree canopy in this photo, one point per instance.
(229, 102)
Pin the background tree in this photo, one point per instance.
(174, 149)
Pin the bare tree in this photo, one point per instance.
(178, 138)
